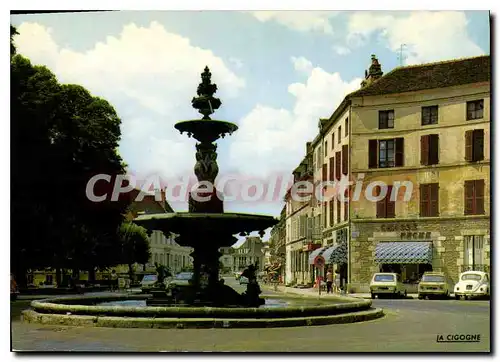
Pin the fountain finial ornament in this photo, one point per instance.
(206, 103)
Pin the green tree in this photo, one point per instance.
(134, 246)
(61, 136)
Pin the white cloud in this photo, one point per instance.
(271, 139)
(149, 75)
(429, 36)
(300, 20)
(341, 50)
(302, 64)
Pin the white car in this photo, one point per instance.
(387, 284)
(472, 284)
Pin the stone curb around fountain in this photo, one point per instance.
(306, 294)
(55, 306)
(31, 316)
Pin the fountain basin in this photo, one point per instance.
(83, 310)
(206, 130)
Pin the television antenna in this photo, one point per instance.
(401, 55)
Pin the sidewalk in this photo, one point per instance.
(314, 292)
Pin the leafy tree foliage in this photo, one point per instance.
(134, 246)
(61, 136)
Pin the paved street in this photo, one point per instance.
(409, 325)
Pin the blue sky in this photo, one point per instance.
(278, 72)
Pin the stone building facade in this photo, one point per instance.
(427, 126)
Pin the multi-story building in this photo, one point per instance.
(427, 127)
(277, 243)
(226, 259)
(303, 226)
(250, 252)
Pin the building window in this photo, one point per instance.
(338, 210)
(474, 197)
(429, 115)
(346, 126)
(386, 153)
(326, 148)
(386, 119)
(333, 139)
(475, 109)
(474, 145)
(474, 252)
(429, 200)
(385, 207)
(346, 205)
(339, 134)
(325, 172)
(324, 214)
(338, 161)
(331, 212)
(332, 168)
(429, 149)
(345, 158)
(319, 161)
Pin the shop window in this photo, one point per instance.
(474, 251)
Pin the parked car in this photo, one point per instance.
(147, 282)
(387, 284)
(436, 284)
(179, 280)
(472, 284)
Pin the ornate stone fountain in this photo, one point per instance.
(206, 227)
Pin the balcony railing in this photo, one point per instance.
(477, 267)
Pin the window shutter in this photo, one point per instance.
(345, 158)
(478, 145)
(333, 139)
(380, 204)
(332, 169)
(325, 172)
(331, 213)
(346, 204)
(400, 151)
(338, 210)
(468, 197)
(479, 196)
(424, 150)
(434, 198)
(390, 205)
(424, 200)
(310, 226)
(337, 165)
(433, 149)
(468, 145)
(372, 154)
(346, 126)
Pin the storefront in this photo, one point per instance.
(410, 259)
(336, 259)
(313, 262)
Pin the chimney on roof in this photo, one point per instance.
(373, 73)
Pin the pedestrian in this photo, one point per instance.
(114, 280)
(337, 281)
(329, 281)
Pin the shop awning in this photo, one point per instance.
(407, 252)
(314, 254)
(336, 254)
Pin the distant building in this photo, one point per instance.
(249, 252)
(227, 259)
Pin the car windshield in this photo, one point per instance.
(476, 277)
(384, 278)
(149, 278)
(433, 278)
(184, 276)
